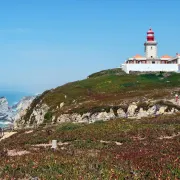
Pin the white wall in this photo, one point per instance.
(178, 60)
(150, 67)
(151, 51)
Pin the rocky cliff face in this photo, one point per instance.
(24, 103)
(11, 114)
(41, 113)
(6, 112)
(21, 107)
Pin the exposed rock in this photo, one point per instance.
(152, 110)
(61, 105)
(76, 117)
(38, 114)
(142, 113)
(24, 103)
(21, 109)
(121, 113)
(63, 118)
(102, 116)
(86, 117)
(131, 110)
(6, 112)
(161, 110)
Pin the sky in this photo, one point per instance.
(46, 43)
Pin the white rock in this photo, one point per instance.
(76, 117)
(152, 110)
(121, 113)
(61, 105)
(162, 110)
(64, 118)
(85, 117)
(131, 110)
(142, 113)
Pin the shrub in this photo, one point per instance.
(48, 117)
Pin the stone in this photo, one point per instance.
(152, 110)
(76, 117)
(121, 113)
(131, 110)
(111, 114)
(63, 118)
(162, 110)
(142, 113)
(61, 105)
(85, 117)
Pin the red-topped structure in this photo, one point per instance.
(151, 62)
(150, 35)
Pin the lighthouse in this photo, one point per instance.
(150, 46)
(151, 62)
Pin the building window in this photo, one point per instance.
(153, 62)
(151, 57)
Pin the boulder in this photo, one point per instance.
(162, 110)
(64, 118)
(142, 113)
(121, 113)
(152, 110)
(131, 110)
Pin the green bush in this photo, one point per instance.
(48, 117)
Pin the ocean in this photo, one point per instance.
(13, 97)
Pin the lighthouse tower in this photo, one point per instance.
(150, 46)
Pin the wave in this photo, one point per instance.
(5, 122)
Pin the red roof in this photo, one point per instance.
(138, 56)
(166, 56)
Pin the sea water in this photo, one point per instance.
(13, 98)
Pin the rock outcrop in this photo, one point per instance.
(6, 112)
(21, 109)
(23, 103)
(133, 110)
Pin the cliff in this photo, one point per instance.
(21, 107)
(6, 112)
(104, 95)
(10, 114)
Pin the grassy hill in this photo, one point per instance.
(108, 88)
(111, 86)
(147, 148)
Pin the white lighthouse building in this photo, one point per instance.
(151, 61)
(150, 46)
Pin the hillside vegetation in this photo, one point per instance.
(117, 149)
(108, 88)
(146, 148)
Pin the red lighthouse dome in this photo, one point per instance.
(150, 35)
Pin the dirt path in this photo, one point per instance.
(7, 134)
